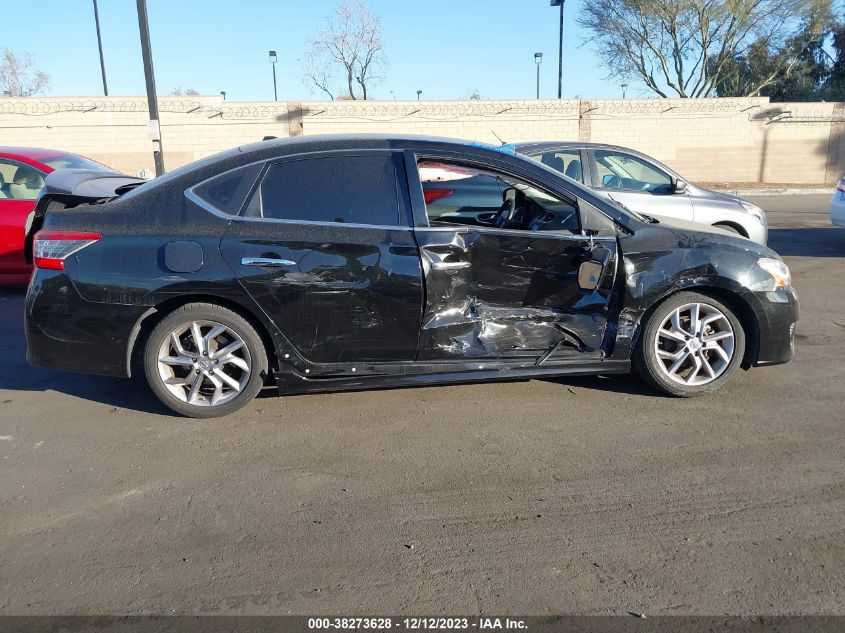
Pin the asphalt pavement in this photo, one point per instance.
(583, 495)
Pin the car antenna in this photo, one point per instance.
(498, 137)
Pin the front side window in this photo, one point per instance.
(19, 182)
(618, 170)
(455, 193)
(567, 162)
(342, 189)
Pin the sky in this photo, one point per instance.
(446, 48)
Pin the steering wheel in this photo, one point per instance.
(614, 182)
(507, 211)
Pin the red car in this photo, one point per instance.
(22, 172)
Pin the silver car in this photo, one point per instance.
(646, 186)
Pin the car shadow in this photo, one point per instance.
(820, 241)
(629, 384)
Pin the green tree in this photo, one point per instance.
(802, 69)
(686, 48)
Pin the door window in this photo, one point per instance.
(567, 162)
(456, 193)
(618, 170)
(343, 189)
(19, 182)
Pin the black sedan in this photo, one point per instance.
(318, 265)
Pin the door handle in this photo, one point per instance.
(266, 261)
(449, 265)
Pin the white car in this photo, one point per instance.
(837, 205)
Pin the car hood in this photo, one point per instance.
(712, 235)
(701, 192)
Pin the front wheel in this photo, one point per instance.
(691, 344)
(203, 361)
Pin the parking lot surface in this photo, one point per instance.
(581, 495)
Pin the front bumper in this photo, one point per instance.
(777, 313)
(837, 209)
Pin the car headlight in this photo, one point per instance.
(754, 210)
(778, 270)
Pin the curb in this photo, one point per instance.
(781, 192)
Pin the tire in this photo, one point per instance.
(230, 363)
(674, 361)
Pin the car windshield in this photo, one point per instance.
(537, 158)
(70, 161)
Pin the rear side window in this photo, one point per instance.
(228, 191)
(347, 189)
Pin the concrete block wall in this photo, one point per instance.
(744, 140)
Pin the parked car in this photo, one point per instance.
(628, 177)
(22, 173)
(316, 262)
(837, 204)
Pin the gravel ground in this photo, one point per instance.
(590, 496)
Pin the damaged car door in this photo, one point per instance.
(530, 281)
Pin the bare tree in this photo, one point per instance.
(178, 92)
(350, 43)
(18, 78)
(686, 46)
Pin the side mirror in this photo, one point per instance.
(679, 186)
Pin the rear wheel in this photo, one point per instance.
(691, 344)
(204, 360)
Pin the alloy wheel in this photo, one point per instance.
(204, 363)
(694, 344)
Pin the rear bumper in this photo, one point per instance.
(65, 332)
(777, 313)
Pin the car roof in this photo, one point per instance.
(279, 147)
(362, 140)
(540, 146)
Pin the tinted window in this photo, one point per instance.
(228, 191)
(70, 161)
(618, 170)
(349, 189)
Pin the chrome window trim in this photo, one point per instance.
(190, 195)
(353, 225)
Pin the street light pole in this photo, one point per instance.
(560, 3)
(273, 63)
(149, 74)
(624, 88)
(538, 59)
(100, 45)
(419, 92)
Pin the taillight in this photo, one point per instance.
(435, 194)
(841, 185)
(51, 248)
